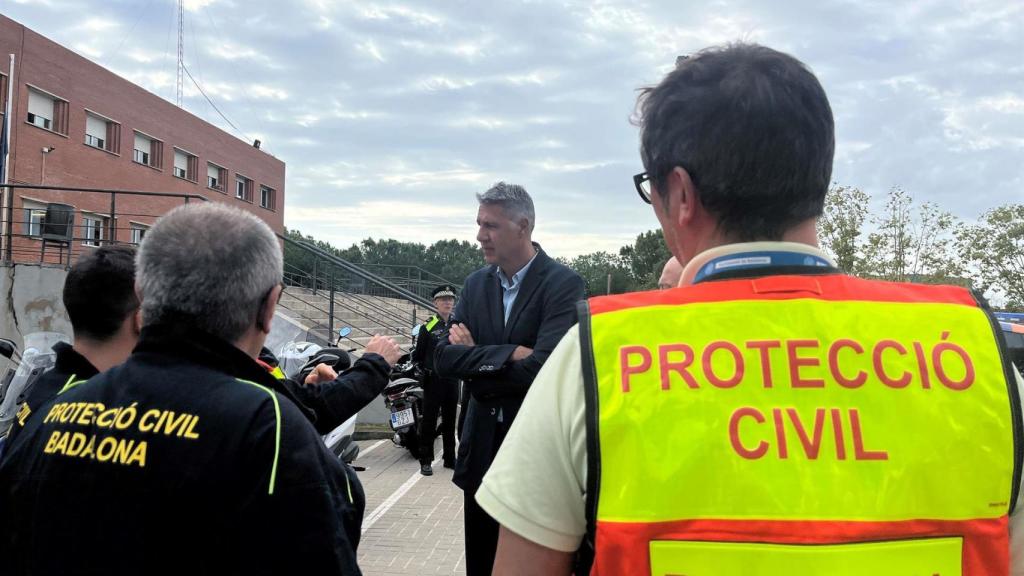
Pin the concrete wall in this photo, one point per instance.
(31, 301)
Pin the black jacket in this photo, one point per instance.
(336, 401)
(426, 342)
(543, 311)
(426, 345)
(69, 365)
(240, 484)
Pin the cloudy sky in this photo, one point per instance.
(390, 115)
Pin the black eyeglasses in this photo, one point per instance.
(643, 186)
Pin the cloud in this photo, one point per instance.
(197, 5)
(259, 91)
(395, 113)
(550, 165)
(398, 12)
(231, 52)
(98, 25)
(369, 48)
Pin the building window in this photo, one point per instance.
(148, 151)
(138, 232)
(216, 176)
(186, 165)
(102, 133)
(93, 229)
(267, 198)
(40, 110)
(243, 188)
(3, 94)
(47, 111)
(34, 214)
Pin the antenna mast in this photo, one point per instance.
(181, 49)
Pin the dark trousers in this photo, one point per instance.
(481, 538)
(439, 395)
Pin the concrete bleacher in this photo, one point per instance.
(360, 312)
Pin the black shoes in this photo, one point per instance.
(426, 470)
(449, 464)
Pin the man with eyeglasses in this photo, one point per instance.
(772, 415)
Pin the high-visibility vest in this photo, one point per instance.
(803, 425)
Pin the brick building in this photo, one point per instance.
(76, 124)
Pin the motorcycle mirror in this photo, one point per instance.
(7, 348)
(344, 331)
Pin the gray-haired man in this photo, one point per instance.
(510, 316)
(189, 457)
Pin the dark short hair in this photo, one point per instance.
(753, 128)
(99, 292)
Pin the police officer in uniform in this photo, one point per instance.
(440, 394)
(189, 458)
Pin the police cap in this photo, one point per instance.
(443, 291)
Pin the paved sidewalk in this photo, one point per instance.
(413, 523)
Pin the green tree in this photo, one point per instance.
(645, 258)
(391, 251)
(453, 260)
(913, 245)
(995, 247)
(841, 225)
(601, 271)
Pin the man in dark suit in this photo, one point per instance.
(510, 316)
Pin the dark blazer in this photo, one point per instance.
(544, 309)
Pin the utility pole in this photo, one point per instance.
(181, 49)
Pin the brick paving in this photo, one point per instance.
(421, 533)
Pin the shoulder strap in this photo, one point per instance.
(585, 553)
(1015, 400)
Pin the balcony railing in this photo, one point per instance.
(89, 217)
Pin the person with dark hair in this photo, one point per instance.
(510, 316)
(189, 457)
(771, 415)
(440, 395)
(99, 296)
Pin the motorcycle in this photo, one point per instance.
(403, 397)
(23, 371)
(297, 360)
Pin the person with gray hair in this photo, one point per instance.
(189, 457)
(509, 318)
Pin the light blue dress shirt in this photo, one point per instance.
(510, 288)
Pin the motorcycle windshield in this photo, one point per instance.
(36, 359)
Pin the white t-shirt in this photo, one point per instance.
(536, 486)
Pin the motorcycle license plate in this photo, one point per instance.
(401, 418)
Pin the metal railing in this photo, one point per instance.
(384, 298)
(392, 318)
(338, 288)
(96, 220)
(412, 278)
